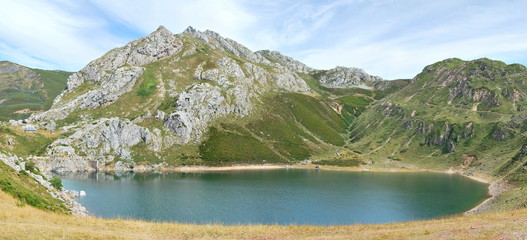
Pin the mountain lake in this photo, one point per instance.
(278, 196)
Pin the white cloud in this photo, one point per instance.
(227, 17)
(393, 59)
(392, 39)
(42, 34)
(401, 43)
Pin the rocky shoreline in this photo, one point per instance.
(495, 189)
(63, 195)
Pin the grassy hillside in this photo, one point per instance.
(466, 115)
(20, 143)
(24, 90)
(288, 126)
(23, 222)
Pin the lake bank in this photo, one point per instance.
(25, 222)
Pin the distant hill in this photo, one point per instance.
(24, 90)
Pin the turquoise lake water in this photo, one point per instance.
(279, 196)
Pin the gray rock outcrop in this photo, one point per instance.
(288, 62)
(99, 142)
(344, 77)
(112, 75)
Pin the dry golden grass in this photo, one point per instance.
(29, 223)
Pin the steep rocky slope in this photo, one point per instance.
(194, 98)
(464, 115)
(24, 90)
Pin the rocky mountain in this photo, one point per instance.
(24, 90)
(195, 98)
(455, 114)
(346, 77)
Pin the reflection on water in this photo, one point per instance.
(283, 196)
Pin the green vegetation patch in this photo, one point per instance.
(24, 143)
(286, 127)
(315, 116)
(54, 83)
(56, 182)
(222, 147)
(353, 106)
(148, 83)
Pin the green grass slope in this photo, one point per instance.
(24, 88)
(287, 127)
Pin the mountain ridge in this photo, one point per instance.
(26, 90)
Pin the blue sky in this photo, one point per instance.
(389, 38)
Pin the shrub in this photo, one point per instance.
(30, 166)
(22, 172)
(56, 183)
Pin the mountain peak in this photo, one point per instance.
(161, 28)
(190, 29)
(161, 31)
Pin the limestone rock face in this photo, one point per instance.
(288, 62)
(195, 109)
(114, 74)
(285, 68)
(344, 77)
(159, 44)
(217, 41)
(108, 135)
(100, 141)
(120, 82)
